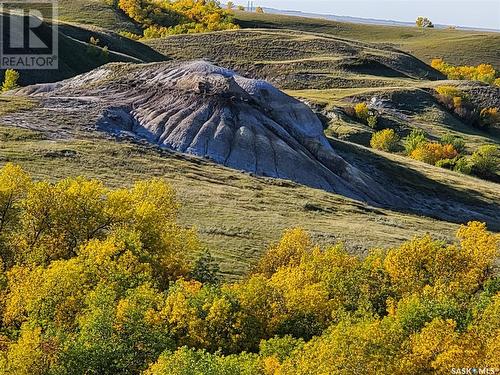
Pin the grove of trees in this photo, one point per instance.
(160, 18)
(102, 281)
(482, 72)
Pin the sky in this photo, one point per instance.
(480, 13)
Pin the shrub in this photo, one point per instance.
(489, 117)
(432, 152)
(446, 163)
(10, 80)
(497, 82)
(364, 114)
(259, 10)
(385, 140)
(372, 121)
(206, 269)
(361, 110)
(413, 140)
(457, 142)
(130, 35)
(450, 91)
(463, 165)
(485, 161)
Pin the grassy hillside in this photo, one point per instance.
(456, 46)
(100, 13)
(236, 214)
(298, 60)
(76, 56)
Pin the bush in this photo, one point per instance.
(457, 142)
(206, 269)
(414, 140)
(362, 111)
(485, 161)
(432, 152)
(10, 80)
(489, 117)
(458, 103)
(449, 90)
(463, 165)
(130, 35)
(446, 163)
(372, 121)
(385, 140)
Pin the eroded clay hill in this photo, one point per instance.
(205, 110)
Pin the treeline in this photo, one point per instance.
(482, 72)
(160, 18)
(100, 281)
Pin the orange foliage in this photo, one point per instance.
(432, 152)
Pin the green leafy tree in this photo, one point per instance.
(206, 269)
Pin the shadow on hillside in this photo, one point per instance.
(425, 196)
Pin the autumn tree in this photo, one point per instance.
(385, 140)
(424, 22)
(10, 80)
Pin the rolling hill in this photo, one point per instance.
(328, 65)
(459, 47)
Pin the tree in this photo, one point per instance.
(385, 140)
(294, 244)
(424, 22)
(230, 5)
(10, 80)
(259, 10)
(206, 269)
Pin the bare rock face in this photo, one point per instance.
(205, 110)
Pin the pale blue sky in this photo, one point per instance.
(481, 13)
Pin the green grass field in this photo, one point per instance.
(456, 46)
